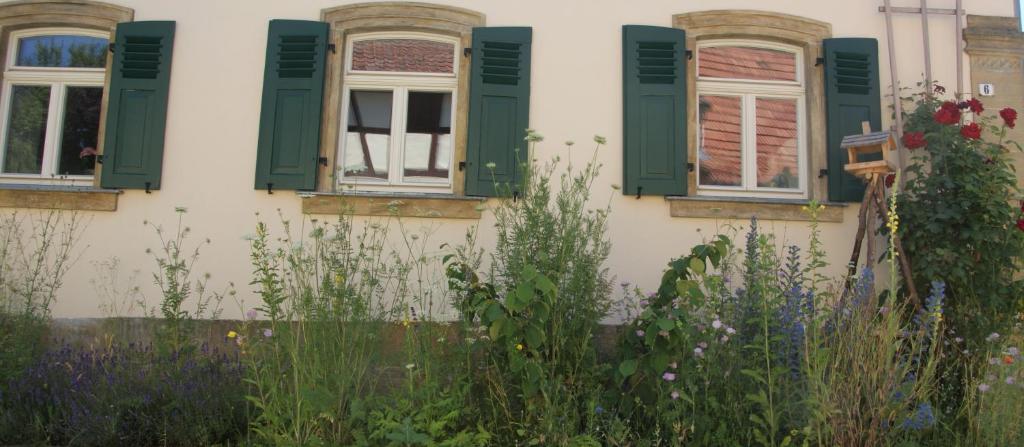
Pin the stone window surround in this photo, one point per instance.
(87, 14)
(803, 33)
(392, 16)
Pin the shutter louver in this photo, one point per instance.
(499, 109)
(654, 110)
(133, 143)
(852, 96)
(293, 87)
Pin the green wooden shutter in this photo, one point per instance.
(499, 108)
(293, 91)
(140, 75)
(654, 110)
(851, 96)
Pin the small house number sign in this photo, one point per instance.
(986, 89)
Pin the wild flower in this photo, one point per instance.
(993, 337)
(232, 334)
(668, 376)
(1012, 350)
(717, 324)
(674, 394)
(922, 418)
(250, 314)
(698, 352)
(267, 333)
(983, 387)
(640, 333)
(600, 140)
(1010, 380)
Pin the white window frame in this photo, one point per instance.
(58, 79)
(748, 90)
(400, 84)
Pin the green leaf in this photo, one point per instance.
(494, 311)
(665, 324)
(697, 265)
(545, 285)
(628, 367)
(534, 336)
(497, 327)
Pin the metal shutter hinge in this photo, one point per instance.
(689, 55)
(110, 47)
(462, 166)
(467, 51)
(819, 61)
(332, 48)
(322, 161)
(822, 173)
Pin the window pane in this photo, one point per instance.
(369, 134)
(404, 55)
(747, 63)
(428, 142)
(721, 140)
(62, 51)
(26, 129)
(78, 134)
(777, 143)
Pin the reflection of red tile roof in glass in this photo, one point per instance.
(747, 63)
(721, 139)
(403, 55)
(776, 140)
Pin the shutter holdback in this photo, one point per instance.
(819, 61)
(147, 188)
(270, 188)
(822, 173)
(639, 189)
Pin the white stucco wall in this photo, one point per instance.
(213, 117)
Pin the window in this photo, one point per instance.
(52, 90)
(398, 114)
(751, 119)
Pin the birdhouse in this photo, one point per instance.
(859, 147)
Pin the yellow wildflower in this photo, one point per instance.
(232, 334)
(519, 346)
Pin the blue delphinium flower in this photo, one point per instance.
(922, 418)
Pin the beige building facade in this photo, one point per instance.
(394, 121)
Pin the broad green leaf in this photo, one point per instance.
(534, 336)
(665, 324)
(497, 328)
(697, 265)
(494, 311)
(628, 367)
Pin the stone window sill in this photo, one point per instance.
(58, 197)
(441, 206)
(745, 208)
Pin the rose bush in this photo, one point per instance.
(962, 222)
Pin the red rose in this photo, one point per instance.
(1020, 224)
(1009, 116)
(890, 180)
(914, 140)
(971, 131)
(975, 105)
(948, 114)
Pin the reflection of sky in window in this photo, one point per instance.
(62, 51)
